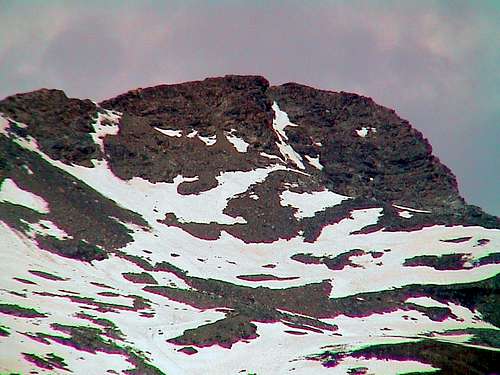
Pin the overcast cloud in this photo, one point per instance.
(435, 62)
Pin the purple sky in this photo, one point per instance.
(435, 62)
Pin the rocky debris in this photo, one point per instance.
(364, 150)
(467, 215)
(224, 332)
(137, 268)
(457, 240)
(265, 277)
(189, 350)
(455, 261)
(91, 233)
(90, 339)
(312, 300)
(208, 107)
(46, 275)
(447, 358)
(60, 125)
(138, 150)
(336, 263)
(139, 278)
(443, 262)
(49, 362)
(392, 162)
(19, 311)
(216, 108)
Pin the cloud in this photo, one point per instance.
(435, 62)
(84, 58)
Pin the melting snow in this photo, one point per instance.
(269, 156)
(314, 162)
(192, 134)
(277, 353)
(27, 169)
(363, 132)
(226, 258)
(170, 132)
(381, 366)
(148, 199)
(105, 124)
(10, 192)
(48, 228)
(209, 141)
(280, 122)
(425, 301)
(239, 144)
(411, 209)
(405, 214)
(310, 203)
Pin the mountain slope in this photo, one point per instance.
(179, 228)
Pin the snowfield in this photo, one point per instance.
(160, 303)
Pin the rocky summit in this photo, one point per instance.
(227, 226)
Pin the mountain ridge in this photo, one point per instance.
(450, 195)
(179, 228)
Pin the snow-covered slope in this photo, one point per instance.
(130, 245)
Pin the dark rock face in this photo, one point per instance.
(300, 233)
(366, 151)
(392, 162)
(212, 108)
(59, 124)
(160, 158)
(72, 206)
(209, 106)
(449, 358)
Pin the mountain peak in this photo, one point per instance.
(345, 141)
(171, 222)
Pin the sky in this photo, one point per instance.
(437, 63)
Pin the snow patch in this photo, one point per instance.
(425, 301)
(192, 134)
(314, 162)
(48, 228)
(10, 192)
(152, 201)
(170, 132)
(411, 209)
(4, 126)
(105, 124)
(209, 140)
(280, 122)
(239, 144)
(310, 203)
(381, 366)
(363, 132)
(278, 351)
(27, 169)
(405, 214)
(269, 156)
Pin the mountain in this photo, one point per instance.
(227, 226)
